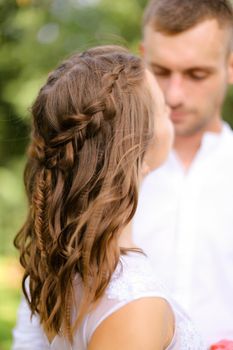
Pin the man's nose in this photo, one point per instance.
(174, 91)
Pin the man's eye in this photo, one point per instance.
(161, 73)
(198, 76)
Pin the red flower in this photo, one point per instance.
(222, 345)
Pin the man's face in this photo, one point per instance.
(193, 69)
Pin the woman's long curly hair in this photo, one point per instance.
(92, 122)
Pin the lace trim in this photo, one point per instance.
(132, 277)
(188, 336)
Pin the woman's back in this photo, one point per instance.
(132, 282)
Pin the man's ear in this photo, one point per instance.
(230, 68)
(141, 49)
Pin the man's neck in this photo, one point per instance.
(186, 147)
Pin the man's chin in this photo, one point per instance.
(184, 130)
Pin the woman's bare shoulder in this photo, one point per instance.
(146, 323)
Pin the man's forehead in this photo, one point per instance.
(203, 44)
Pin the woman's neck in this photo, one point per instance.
(126, 240)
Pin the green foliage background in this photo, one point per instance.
(34, 36)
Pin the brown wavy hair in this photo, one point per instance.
(92, 122)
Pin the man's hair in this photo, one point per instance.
(175, 16)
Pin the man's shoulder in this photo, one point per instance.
(227, 134)
(226, 148)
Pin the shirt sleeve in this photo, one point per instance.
(28, 333)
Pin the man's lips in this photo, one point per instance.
(178, 116)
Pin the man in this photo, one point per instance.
(185, 216)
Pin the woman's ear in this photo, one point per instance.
(145, 170)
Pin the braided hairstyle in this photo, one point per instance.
(92, 122)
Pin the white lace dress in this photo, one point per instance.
(133, 279)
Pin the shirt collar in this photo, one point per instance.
(210, 141)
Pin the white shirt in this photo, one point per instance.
(133, 279)
(184, 223)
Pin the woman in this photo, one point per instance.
(99, 124)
